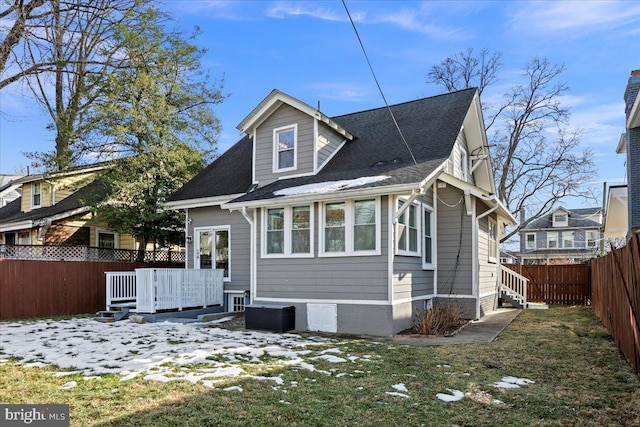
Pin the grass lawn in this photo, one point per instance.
(580, 378)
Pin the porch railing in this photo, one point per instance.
(155, 289)
(87, 253)
(121, 287)
(514, 283)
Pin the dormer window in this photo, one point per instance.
(560, 220)
(284, 153)
(36, 195)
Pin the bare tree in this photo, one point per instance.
(537, 158)
(62, 51)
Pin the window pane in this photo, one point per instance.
(285, 159)
(300, 235)
(413, 223)
(285, 139)
(364, 238)
(204, 239)
(222, 251)
(413, 240)
(106, 240)
(364, 212)
(334, 230)
(427, 238)
(275, 231)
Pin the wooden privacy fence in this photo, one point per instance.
(615, 281)
(566, 284)
(34, 288)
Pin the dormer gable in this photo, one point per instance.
(560, 218)
(290, 138)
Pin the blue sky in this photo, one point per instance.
(309, 50)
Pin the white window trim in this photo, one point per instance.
(404, 252)
(526, 241)
(493, 242)
(558, 241)
(214, 228)
(464, 163)
(116, 238)
(288, 223)
(33, 186)
(564, 223)
(276, 149)
(432, 264)
(348, 229)
(596, 236)
(573, 239)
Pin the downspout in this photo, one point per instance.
(476, 259)
(252, 253)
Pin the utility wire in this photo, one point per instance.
(377, 83)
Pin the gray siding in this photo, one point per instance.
(239, 242)
(325, 278)
(633, 155)
(488, 271)
(454, 243)
(283, 116)
(328, 142)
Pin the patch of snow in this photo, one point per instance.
(518, 381)
(453, 397)
(277, 380)
(329, 186)
(502, 384)
(70, 384)
(394, 393)
(329, 358)
(233, 388)
(400, 387)
(65, 374)
(93, 377)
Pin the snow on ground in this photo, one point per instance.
(196, 352)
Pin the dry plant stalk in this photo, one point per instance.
(442, 318)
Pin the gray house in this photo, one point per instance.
(562, 236)
(623, 201)
(352, 222)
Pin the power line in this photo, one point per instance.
(395, 122)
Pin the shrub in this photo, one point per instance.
(443, 318)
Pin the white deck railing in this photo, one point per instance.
(513, 281)
(121, 287)
(167, 288)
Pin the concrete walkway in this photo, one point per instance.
(481, 331)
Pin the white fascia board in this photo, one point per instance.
(479, 193)
(68, 214)
(622, 144)
(200, 203)
(277, 98)
(338, 195)
(15, 226)
(634, 116)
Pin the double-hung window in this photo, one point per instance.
(428, 228)
(350, 228)
(288, 231)
(36, 195)
(552, 240)
(567, 239)
(408, 229)
(592, 238)
(530, 239)
(284, 148)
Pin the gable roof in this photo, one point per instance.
(429, 125)
(94, 167)
(11, 216)
(577, 219)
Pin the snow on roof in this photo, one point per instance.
(329, 186)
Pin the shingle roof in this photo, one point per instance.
(576, 219)
(12, 213)
(429, 125)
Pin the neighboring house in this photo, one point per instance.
(508, 258)
(335, 216)
(8, 190)
(562, 236)
(52, 210)
(620, 205)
